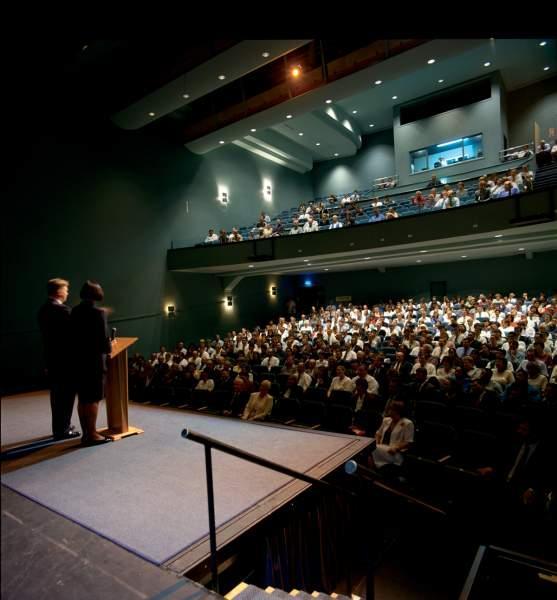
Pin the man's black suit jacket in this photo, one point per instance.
(55, 325)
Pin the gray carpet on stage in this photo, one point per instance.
(148, 492)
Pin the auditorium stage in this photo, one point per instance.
(147, 493)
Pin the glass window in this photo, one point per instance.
(446, 154)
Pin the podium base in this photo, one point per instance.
(119, 435)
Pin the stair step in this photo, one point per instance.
(300, 595)
(279, 594)
(245, 591)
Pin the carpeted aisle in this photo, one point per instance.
(148, 492)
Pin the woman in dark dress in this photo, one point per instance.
(91, 344)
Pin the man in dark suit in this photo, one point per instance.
(54, 323)
(402, 367)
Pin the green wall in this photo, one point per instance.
(105, 204)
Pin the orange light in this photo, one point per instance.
(296, 71)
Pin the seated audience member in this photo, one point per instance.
(325, 219)
(235, 236)
(340, 383)
(345, 200)
(535, 377)
(355, 197)
(376, 216)
(223, 236)
(332, 199)
(553, 151)
(372, 384)
(434, 183)
(211, 237)
(543, 154)
(278, 229)
(419, 200)
(461, 192)
(260, 403)
(241, 387)
(296, 228)
(451, 201)
(310, 225)
(502, 374)
(524, 152)
(483, 192)
(335, 224)
(205, 383)
(264, 218)
(376, 203)
(391, 214)
(507, 190)
(393, 437)
(267, 231)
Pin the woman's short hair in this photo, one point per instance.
(91, 290)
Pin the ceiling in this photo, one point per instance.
(357, 105)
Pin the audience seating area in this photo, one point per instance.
(357, 207)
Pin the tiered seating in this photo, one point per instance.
(245, 591)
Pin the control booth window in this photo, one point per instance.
(446, 154)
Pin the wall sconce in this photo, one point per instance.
(228, 300)
(171, 310)
(274, 290)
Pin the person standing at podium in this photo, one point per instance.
(91, 344)
(54, 323)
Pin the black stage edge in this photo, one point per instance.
(46, 556)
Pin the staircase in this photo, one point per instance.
(546, 177)
(245, 591)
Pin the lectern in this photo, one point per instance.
(117, 391)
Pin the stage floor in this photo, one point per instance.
(147, 493)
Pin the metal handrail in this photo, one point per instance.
(209, 443)
(507, 153)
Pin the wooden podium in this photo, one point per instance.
(117, 391)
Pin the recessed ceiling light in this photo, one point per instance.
(288, 116)
(186, 96)
(151, 114)
(378, 82)
(431, 61)
(543, 43)
(328, 101)
(423, 251)
(222, 77)
(440, 81)
(521, 249)
(464, 256)
(325, 269)
(306, 259)
(221, 141)
(309, 264)
(250, 266)
(354, 112)
(546, 68)
(336, 153)
(487, 64)
(318, 143)
(253, 129)
(498, 235)
(301, 133)
(372, 124)
(265, 54)
(419, 260)
(367, 258)
(395, 97)
(86, 46)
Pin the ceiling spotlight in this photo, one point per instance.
(520, 249)
(296, 71)
(440, 80)
(301, 133)
(328, 101)
(336, 153)
(395, 97)
(419, 260)
(309, 264)
(288, 116)
(151, 114)
(250, 266)
(464, 256)
(354, 112)
(185, 96)
(367, 258)
(431, 61)
(306, 259)
(546, 68)
(265, 54)
(543, 43)
(221, 141)
(86, 46)
(499, 235)
(372, 124)
(378, 82)
(253, 129)
(487, 64)
(325, 269)
(318, 143)
(222, 77)
(423, 251)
